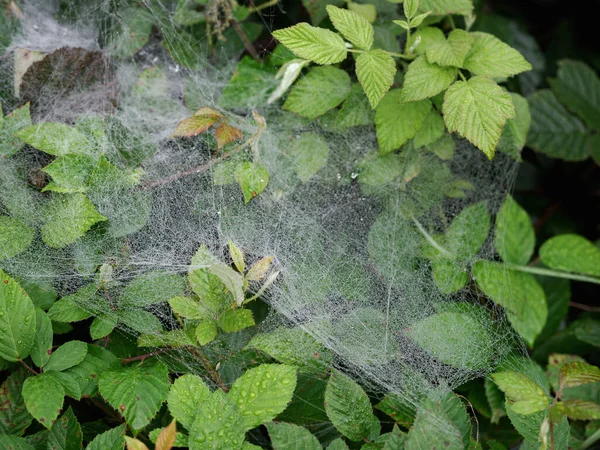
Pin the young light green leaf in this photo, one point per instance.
(396, 123)
(44, 398)
(152, 288)
(554, 131)
(314, 44)
(65, 356)
(515, 131)
(188, 308)
(353, 26)
(432, 129)
(322, 89)
(253, 179)
(70, 172)
(367, 10)
(349, 409)
(309, 153)
(572, 253)
(478, 109)
(42, 347)
(451, 51)
(424, 80)
(206, 331)
(287, 436)
(458, 339)
(578, 88)
(14, 418)
(65, 433)
(418, 20)
(526, 396)
(577, 373)
(15, 237)
(410, 8)
(490, 57)
(519, 293)
(109, 440)
(425, 37)
(235, 320)
(402, 24)
(136, 392)
(448, 276)
(288, 73)
(445, 7)
(264, 391)
(237, 256)
(70, 217)
(375, 70)
(17, 320)
(185, 396)
(514, 236)
(579, 409)
(15, 121)
(55, 139)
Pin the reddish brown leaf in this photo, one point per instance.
(226, 134)
(209, 112)
(166, 438)
(193, 126)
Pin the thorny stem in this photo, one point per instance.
(143, 357)
(429, 239)
(247, 44)
(28, 367)
(262, 6)
(554, 273)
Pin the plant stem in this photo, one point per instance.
(28, 367)
(214, 375)
(407, 46)
(247, 44)
(143, 357)
(591, 440)
(262, 6)
(462, 76)
(354, 50)
(452, 24)
(584, 307)
(401, 55)
(554, 273)
(429, 239)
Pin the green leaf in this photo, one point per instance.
(375, 70)
(136, 392)
(69, 383)
(398, 408)
(102, 326)
(572, 253)
(55, 139)
(490, 57)
(317, 9)
(133, 33)
(218, 425)
(448, 415)
(294, 347)
(188, 308)
(366, 10)
(495, 398)
(309, 153)
(478, 109)
(70, 173)
(14, 442)
(109, 440)
(426, 37)
(577, 373)
(424, 80)
(237, 256)
(251, 85)
(322, 89)
(525, 395)
(287, 436)
(519, 293)
(262, 393)
(151, 288)
(554, 131)
(206, 332)
(67, 355)
(185, 396)
(253, 179)
(42, 347)
(236, 319)
(515, 131)
(18, 119)
(578, 88)
(445, 7)
(396, 123)
(514, 235)
(17, 320)
(529, 427)
(349, 409)
(14, 417)
(356, 109)
(579, 409)
(15, 237)
(468, 231)
(444, 149)
(314, 44)
(410, 8)
(68, 308)
(65, 433)
(457, 339)
(70, 217)
(44, 398)
(451, 51)
(432, 129)
(352, 25)
(87, 372)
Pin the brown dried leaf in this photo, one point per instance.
(226, 134)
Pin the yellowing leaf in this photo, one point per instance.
(525, 395)
(193, 126)
(226, 133)
(478, 109)
(134, 444)
(166, 438)
(259, 269)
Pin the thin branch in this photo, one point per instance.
(430, 239)
(262, 6)
(585, 307)
(247, 44)
(29, 368)
(214, 375)
(145, 356)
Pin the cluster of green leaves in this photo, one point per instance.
(476, 108)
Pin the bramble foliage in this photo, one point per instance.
(114, 335)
